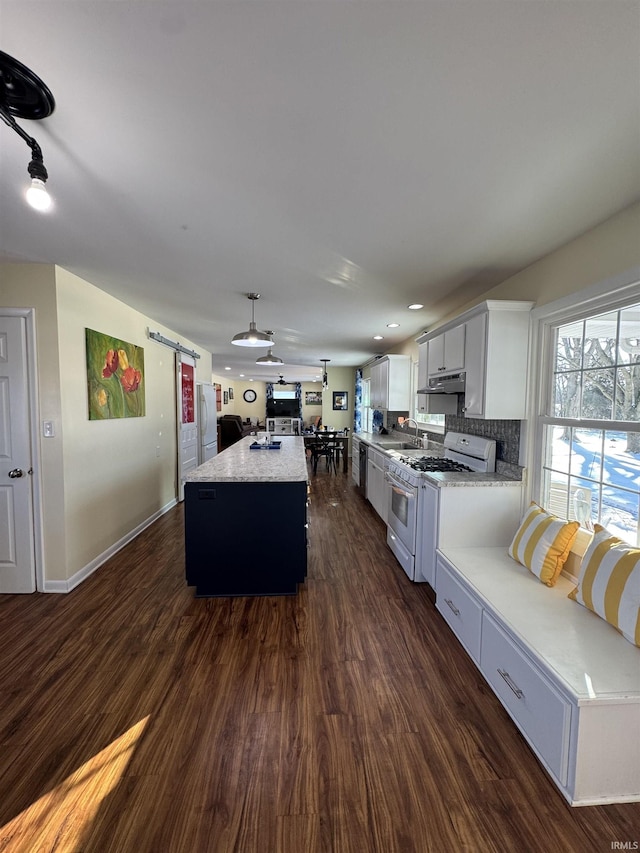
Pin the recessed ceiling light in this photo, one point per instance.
(227, 368)
(241, 375)
(393, 325)
(415, 306)
(378, 338)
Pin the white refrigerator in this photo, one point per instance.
(207, 423)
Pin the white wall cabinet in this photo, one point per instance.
(432, 404)
(497, 339)
(446, 352)
(390, 383)
(494, 340)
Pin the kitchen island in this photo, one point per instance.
(246, 521)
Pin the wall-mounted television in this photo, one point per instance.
(287, 408)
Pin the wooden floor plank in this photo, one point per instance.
(136, 718)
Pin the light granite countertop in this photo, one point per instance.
(240, 464)
(385, 443)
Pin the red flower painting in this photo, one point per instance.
(130, 379)
(115, 377)
(110, 363)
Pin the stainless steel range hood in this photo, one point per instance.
(448, 383)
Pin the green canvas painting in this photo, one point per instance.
(115, 377)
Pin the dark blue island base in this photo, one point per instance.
(245, 538)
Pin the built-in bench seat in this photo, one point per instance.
(570, 681)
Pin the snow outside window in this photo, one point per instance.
(591, 426)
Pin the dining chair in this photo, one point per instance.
(324, 445)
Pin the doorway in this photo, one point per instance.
(20, 551)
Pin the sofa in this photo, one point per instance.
(232, 429)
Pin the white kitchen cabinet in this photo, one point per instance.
(494, 340)
(446, 352)
(497, 338)
(432, 404)
(390, 383)
(355, 460)
(376, 485)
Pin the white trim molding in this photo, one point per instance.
(83, 573)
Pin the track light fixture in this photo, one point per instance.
(325, 377)
(252, 337)
(23, 94)
(269, 358)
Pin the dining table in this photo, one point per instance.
(337, 437)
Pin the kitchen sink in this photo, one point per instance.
(398, 445)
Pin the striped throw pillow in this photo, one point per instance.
(542, 543)
(609, 583)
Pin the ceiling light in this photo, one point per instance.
(37, 195)
(378, 338)
(415, 306)
(325, 376)
(269, 358)
(252, 337)
(23, 94)
(393, 325)
(227, 368)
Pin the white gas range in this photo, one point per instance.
(421, 509)
(461, 454)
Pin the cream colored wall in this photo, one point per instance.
(607, 250)
(100, 479)
(239, 405)
(114, 479)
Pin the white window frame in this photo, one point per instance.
(613, 294)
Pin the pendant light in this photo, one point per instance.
(269, 358)
(252, 337)
(23, 94)
(325, 377)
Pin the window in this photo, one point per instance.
(590, 427)
(367, 412)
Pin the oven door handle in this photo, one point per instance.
(399, 487)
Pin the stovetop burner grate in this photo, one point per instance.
(435, 463)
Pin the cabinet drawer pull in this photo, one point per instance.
(452, 606)
(510, 683)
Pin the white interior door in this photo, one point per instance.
(187, 426)
(17, 558)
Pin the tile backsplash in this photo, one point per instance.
(505, 433)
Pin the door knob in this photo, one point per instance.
(15, 473)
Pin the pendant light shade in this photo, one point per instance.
(269, 358)
(252, 337)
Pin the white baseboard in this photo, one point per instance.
(83, 573)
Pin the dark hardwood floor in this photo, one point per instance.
(135, 718)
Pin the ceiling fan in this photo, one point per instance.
(282, 381)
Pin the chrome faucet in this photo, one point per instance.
(416, 439)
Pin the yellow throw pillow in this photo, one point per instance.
(609, 583)
(542, 543)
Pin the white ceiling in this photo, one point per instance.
(341, 158)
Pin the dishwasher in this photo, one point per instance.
(363, 454)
